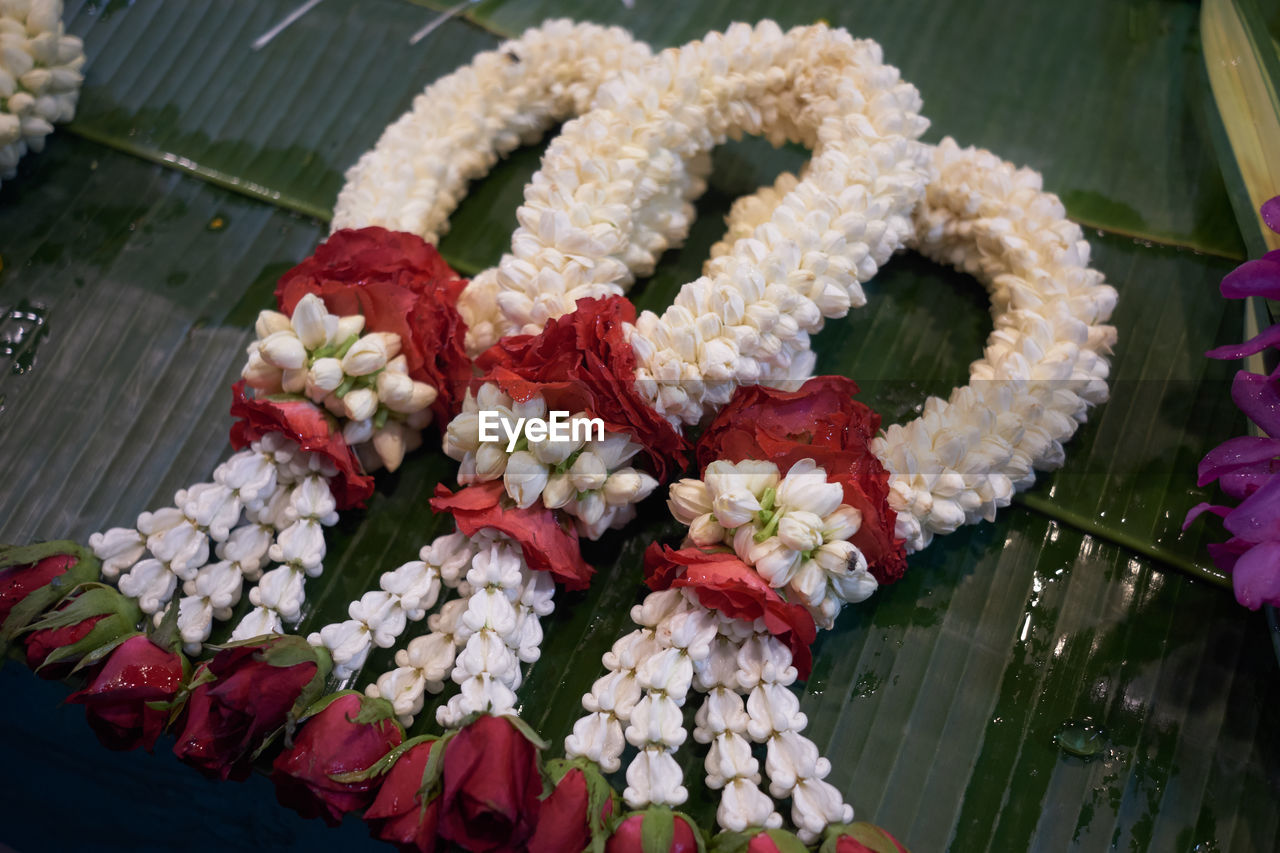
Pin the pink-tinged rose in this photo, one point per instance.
(819, 421)
(547, 545)
(399, 282)
(564, 821)
(725, 583)
(582, 362)
(869, 839)
(126, 697)
(492, 787)
(398, 814)
(17, 582)
(336, 741)
(312, 428)
(243, 696)
(629, 836)
(44, 642)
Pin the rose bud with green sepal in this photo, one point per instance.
(93, 617)
(406, 811)
(656, 830)
(33, 578)
(575, 817)
(130, 696)
(492, 784)
(243, 697)
(323, 773)
(758, 841)
(860, 837)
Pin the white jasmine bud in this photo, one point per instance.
(705, 531)
(590, 507)
(357, 432)
(308, 321)
(270, 322)
(688, 500)
(326, 374)
(368, 355)
(800, 531)
(389, 444)
(628, 486)
(257, 373)
(491, 461)
(283, 350)
(588, 472)
(525, 478)
(462, 435)
(352, 324)
(361, 403)
(735, 507)
(558, 491)
(293, 381)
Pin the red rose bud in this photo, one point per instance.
(35, 577)
(125, 700)
(860, 837)
(397, 814)
(346, 737)
(43, 643)
(660, 824)
(492, 786)
(242, 697)
(92, 619)
(565, 818)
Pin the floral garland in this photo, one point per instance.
(787, 524)
(802, 508)
(39, 77)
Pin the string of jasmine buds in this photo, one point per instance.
(40, 77)
(748, 320)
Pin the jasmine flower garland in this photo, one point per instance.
(40, 77)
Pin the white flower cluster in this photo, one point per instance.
(793, 530)
(39, 77)
(587, 479)
(680, 644)
(268, 484)
(360, 378)
(748, 319)
(479, 640)
(405, 594)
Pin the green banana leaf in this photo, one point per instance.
(129, 288)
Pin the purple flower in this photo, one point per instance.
(1245, 467)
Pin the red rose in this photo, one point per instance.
(821, 421)
(242, 697)
(775, 841)
(312, 428)
(124, 700)
(398, 814)
(44, 642)
(491, 786)
(629, 836)
(725, 583)
(19, 581)
(860, 837)
(582, 362)
(400, 284)
(347, 736)
(548, 546)
(565, 820)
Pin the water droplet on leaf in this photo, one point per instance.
(1081, 738)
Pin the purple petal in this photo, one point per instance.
(1225, 554)
(1256, 576)
(1271, 213)
(1203, 507)
(1244, 481)
(1236, 453)
(1259, 398)
(1259, 277)
(1268, 338)
(1257, 519)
